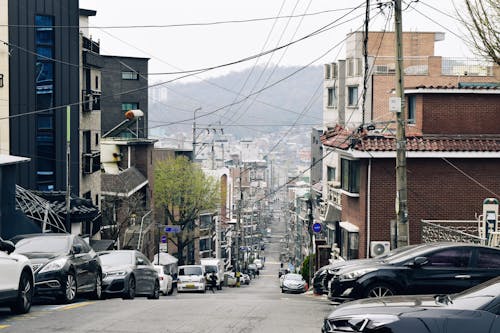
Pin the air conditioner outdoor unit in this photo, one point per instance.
(378, 248)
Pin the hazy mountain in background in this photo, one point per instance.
(172, 106)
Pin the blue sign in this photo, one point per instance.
(173, 228)
(163, 239)
(316, 227)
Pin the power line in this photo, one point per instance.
(193, 24)
(185, 73)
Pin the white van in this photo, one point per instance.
(213, 265)
(191, 278)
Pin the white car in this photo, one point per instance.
(191, 278)
(293, 283)
(16, 279)
(165, 280)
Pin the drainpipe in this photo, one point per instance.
(140, 232)
(368, 210)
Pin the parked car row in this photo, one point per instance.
(65, 267)
(439, 287)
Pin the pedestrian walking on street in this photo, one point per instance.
(213, 282)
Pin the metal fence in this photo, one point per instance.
(451, 231)
(466, 67)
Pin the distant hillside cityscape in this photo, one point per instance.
(258, 101)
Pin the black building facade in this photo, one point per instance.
(44, 82)
(124, 87)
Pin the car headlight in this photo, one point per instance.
(55, 265)
(359, 323)
(355, 274)
(115, 273)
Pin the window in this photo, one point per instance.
(350, 175)
(350, 67)
(488, 259)
(450, 258)
(205, 244)
(205, 221)
(412, 105)
(332, 97)
(130, 76)
(327, 72)
(97, 139)
(129, 106)
(86, 142)
(97, 82)
(44, 82)
(352, 95)
(331, 173)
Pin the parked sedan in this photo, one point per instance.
(324, 275)
(128, 273)
(436, 268)
(165, 280)
(293, 283)
(64, 265)
(474, 310)
(16, 279)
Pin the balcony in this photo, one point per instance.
(89, 44)
(91, 100)
(334, 196)
(91, 162)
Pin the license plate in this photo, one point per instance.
(190, 286)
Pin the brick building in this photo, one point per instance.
(355, 100)
(453, 158)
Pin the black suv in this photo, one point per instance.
(435, 268)
(64, 265)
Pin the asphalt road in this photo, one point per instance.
(259, 307)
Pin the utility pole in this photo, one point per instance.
(194, 133)
(401, 188)
(310, 225)
(238, 223)
(68, 171)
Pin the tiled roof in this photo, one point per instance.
(343, 139)
(124, 182)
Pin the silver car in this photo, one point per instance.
(293, 283)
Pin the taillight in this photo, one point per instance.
(161, 277)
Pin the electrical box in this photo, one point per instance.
(490, 216)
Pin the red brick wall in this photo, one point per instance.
(436, 191)
(383, 86)
(461, 114)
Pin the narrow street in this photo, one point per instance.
(259, 307)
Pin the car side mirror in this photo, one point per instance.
(7, 246)
(77, 249)
(419, 262)
(139, 262)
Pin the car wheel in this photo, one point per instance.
(171, 291)
(22, 304)
(70, 289)
(156, 291)
(282, 290)
(130, 292)
(379, 290)
(97, 293)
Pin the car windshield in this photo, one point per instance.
(211, 269)
(44, 244)
(116, 258)
(190, 271)
(415, 251)
(295, 277)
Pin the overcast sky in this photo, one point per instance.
(189, 46)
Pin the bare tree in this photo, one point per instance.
(482, 21)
